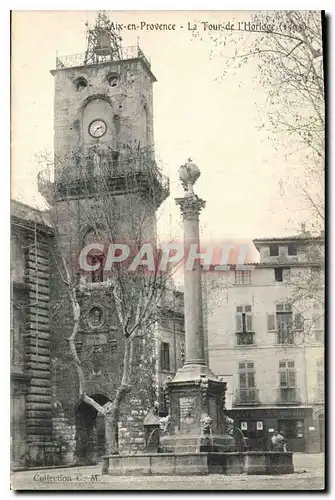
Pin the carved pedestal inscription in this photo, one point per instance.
(187, 411)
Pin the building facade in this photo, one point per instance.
(31, 411)
(106, 187)
(264, 328)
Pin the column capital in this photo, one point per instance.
(190, 206)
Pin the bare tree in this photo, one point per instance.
(135, 291)
(287, 48)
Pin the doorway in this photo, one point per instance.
(90, 432)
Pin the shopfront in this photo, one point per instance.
(259, 424)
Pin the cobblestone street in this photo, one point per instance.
(309, 475)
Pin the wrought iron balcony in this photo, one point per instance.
(246, 397)
(245, 338)
(288, 395)
(90, 57)
(87, 174)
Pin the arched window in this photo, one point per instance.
(80, 83)
(113, 79)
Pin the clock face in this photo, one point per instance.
(97, 128)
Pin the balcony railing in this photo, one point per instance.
(245, 338)
(246, 397)
(106, 170)
(288, 395)
(88, 58)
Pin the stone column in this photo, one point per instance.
(195, 396)
(190, 207)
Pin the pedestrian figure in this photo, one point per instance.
(278, 442)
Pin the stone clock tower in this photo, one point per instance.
(103, 143)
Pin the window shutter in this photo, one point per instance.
(283, 378)
(167, 356)
(243, 380)
(162, 356)
(291, 378)
(249, 322)
(239, 325)
(271, 323)
(251, 379)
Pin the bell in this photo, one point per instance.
(102, 45)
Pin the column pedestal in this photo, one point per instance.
(195, 397)
(196, 401)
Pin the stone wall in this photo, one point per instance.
(64, 436)
(32, 253)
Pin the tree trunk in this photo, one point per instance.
(111, 433)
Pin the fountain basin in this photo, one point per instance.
(268, 462)
(199, 463)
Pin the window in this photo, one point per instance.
(271, 320)
(113, 79)
(244, 325)
(284, 323)
(290, 429)
(292, 249)
(274, 250)
(285, 307)
(288, 392)
(287, 375)
(247, 392)
(279, 274)
(165, 356)
(80, 83)
(242, 277)
(298, 322)
(246, 375)
(282, 273)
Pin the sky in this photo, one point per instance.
(197, 114)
